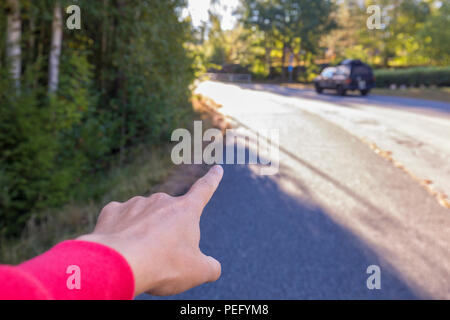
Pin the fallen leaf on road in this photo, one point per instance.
(440, 197)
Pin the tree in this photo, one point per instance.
(216, 41)
(14, 33)
(121, 80)
(435, 36)
(297, 24)
(55, 51)
(404, 39)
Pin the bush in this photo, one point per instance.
(39, 163)
(413, 77)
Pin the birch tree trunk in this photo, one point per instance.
(13, 40)
(121, 4)
(55, 52)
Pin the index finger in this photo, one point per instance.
(202, 191)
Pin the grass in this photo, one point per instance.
(150, 167)
(435, 94)
(150, 171)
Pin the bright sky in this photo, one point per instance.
(198, 9)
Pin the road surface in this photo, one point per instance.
(336, 207)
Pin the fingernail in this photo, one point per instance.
(218, 169)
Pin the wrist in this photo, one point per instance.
(108, 242)
(127, 253)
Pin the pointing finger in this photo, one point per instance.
(202, 191)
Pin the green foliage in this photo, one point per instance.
(289, 27)
(124, 81)
(276, 33)
(435, 36)
(28, 149)
(416, 33)
(217, 50)
(427, 76)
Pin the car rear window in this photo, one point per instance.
(362, 71)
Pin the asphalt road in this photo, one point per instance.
(335, 207)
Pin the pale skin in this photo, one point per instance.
(159, 236)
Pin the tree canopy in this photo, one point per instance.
(307, 34)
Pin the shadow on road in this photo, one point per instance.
(275, 246)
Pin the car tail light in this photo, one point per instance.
(348, 81)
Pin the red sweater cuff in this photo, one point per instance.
(82, 270)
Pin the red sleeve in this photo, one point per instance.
(71, 270)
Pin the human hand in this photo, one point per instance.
(159, 236)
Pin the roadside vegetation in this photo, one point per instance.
(76, 104)
(413, 77)
(46, 227)
(434, 94)
(149, 170)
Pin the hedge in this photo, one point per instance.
(413, 77)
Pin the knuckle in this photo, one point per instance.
(137, 199)
(109, 210)
(111, 206)
(160, 196)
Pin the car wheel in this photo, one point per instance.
(365, 92)
(341, 91)
(319, 89)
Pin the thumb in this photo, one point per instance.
(210, 269)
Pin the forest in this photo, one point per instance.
(74, 102)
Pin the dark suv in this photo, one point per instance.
(348, 75)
